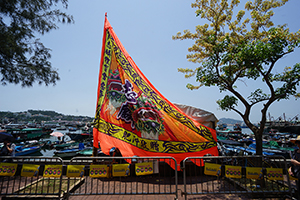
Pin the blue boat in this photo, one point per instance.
(233, 148)
(278, 152)
(21, 151)
(69, 152)
(72, 128)
(251, 151)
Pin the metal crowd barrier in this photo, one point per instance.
(253, 176)
(147, 176)
(18, 185)
(162, 179)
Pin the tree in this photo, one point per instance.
(23, 57)
(231, 49)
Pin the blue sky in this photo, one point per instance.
(145, 29)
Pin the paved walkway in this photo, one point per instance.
(166, 197)
(137, 184)
(212, 185)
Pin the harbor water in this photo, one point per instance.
(44, 152)
(50, 152)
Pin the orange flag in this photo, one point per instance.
(134, 117)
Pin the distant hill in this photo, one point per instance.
(38, 116)
(229, 121)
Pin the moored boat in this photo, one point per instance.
(79, 136)
(229, 134)
(71, 152)
(283, 125)
(89, 152)
(26, 134)
(66, 152)
(25, 151)
(72, 128)
(278, 152)
(66, 145)
(237, 127)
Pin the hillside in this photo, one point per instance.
(229, 121)
(38, 116)
(46, 115)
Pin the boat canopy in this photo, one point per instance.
(202, 116)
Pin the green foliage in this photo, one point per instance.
(290, 77)
(227, 103)
(44, 112)
(6, 114)
(39, 116)
(232, 49)
(23, 58)
(38, 119)
(258, 96)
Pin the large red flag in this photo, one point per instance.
(134, 117)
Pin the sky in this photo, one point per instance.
(145, 28)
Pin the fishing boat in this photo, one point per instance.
(66, 152)
(229, 134)
(72, 128)
(237, 127)
(25, 151)
(85, 152)
(250, 151)
(222, 126)
(61, 128)
(89, 152)
(26, 134)
(71, 152)
(66, 145)
(79, 136)
(283, 125)
(278, 152)
(275, 145)
(234, 148)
